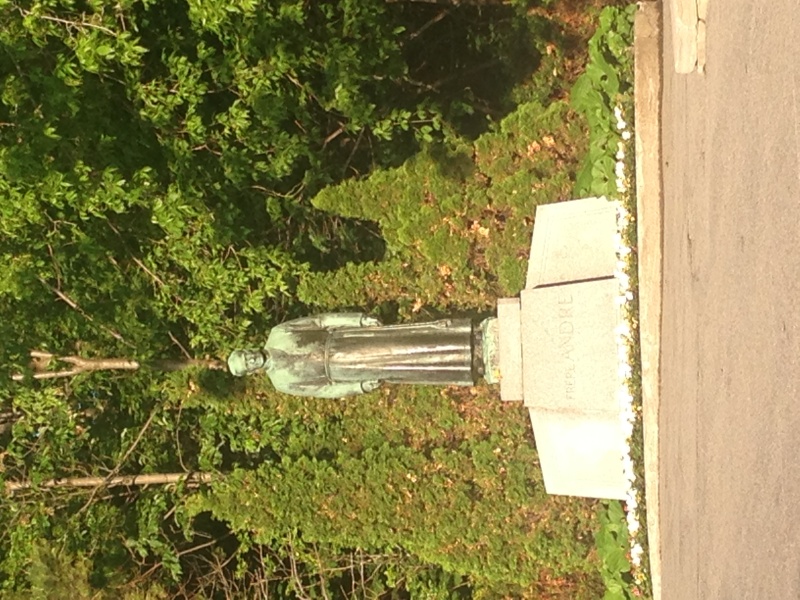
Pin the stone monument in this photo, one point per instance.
(558, 352)
(553, 348)
(342, 354)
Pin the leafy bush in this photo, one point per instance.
(157, 161)
(445, 479)
(456, 218)
(607, 80)
(613, 545)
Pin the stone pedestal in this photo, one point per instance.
(510, 348)
(572, 241)
(558, 353)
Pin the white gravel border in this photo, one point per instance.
(628, 414)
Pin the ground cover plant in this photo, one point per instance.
(605, 95)
(176, 178)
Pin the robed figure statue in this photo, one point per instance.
(341, 354)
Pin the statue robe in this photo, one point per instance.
(333, 355)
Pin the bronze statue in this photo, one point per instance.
(341, 354)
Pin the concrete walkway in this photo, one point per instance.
(726, 377)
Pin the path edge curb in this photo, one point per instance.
(648, 79)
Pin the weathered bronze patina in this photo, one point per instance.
(341, 354)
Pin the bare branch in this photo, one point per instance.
(322, 583)
(79, 365)
(293, 193)
(169, 364)
(68, 23)
(47, 375)
(86, 365)
(179, 345)
(74, 305)
(191, 479)
(178, 448)
(201, 546)
(353, 151)
(121, 462)
(133, 445)
(333, 136)
(430, 23)
(300, 589)
(152, 275)
(65, 298)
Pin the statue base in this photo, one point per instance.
(554, 348)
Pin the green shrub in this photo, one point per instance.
(447, 478)
(605, 84)
(156, 165)
(456, 218)
(613, 544)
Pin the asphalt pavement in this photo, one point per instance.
(729, 415)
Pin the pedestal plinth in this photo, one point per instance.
(558, 353)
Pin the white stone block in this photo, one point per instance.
(570, 382)
(558, 349)
(580, 454)
(510, 349)
(572, 241)
(569, 348)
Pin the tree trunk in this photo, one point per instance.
(41, 360)
(192, 479)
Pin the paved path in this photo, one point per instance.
(730, 355)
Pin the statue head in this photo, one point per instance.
(246, 362)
